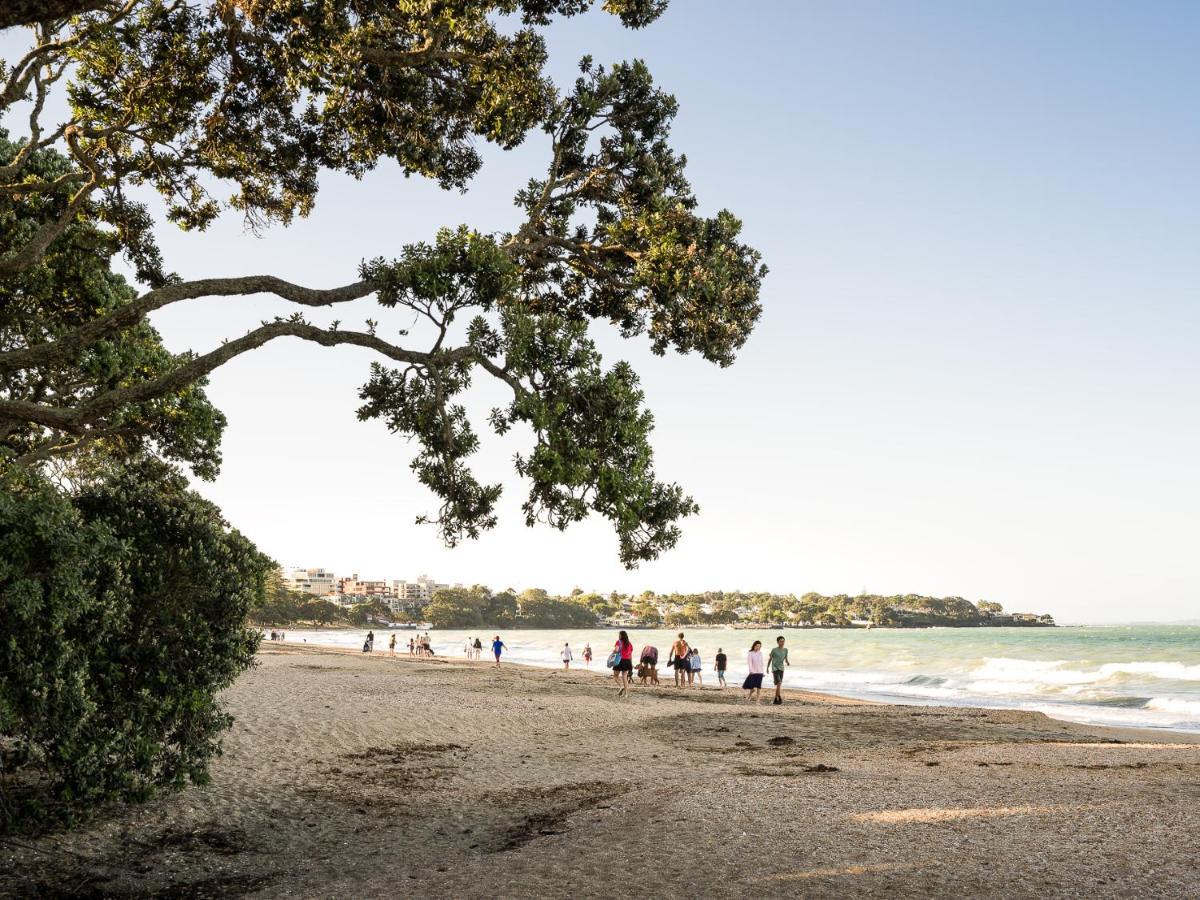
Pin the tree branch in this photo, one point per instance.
(74, 420)
(132, 313)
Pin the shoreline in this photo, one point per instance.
(936, 684)
(734, 691)
(371, 776)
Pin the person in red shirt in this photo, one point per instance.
(623, 670)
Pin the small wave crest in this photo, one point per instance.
(1065, 673)
(930, 680)
(1175, 705)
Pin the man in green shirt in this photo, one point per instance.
(778, 659)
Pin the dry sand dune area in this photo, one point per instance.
(355, 776)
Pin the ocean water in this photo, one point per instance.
(1137, 675)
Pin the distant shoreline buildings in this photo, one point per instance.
(399, 594)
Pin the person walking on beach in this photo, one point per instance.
(622, 671)
(412, 646)
(587, 655)
(392, 645)
(779, 659)
(679, 655)
(498, 647)
(696, 667)
(566, 656)
(478, 647)
(722, 662)
(753, 683)
(468, 648)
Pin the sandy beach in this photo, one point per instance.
(354, 776)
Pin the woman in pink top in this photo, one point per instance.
(753, 682)
(623, 670)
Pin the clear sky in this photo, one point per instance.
(977, 371)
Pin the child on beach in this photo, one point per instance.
(722, 662)
(694, 672)
(587, 654)
(753, 683)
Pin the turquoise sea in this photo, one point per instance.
(1135, 675)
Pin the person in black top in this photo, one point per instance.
(722, 662)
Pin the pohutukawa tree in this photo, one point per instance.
(255, 98)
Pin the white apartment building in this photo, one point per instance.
(422, 589)
(311, 581)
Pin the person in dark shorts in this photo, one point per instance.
(779, 659)
(722, 664)
(498, 647)
(623, 670)
(679, 660)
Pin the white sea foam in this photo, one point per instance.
(1175, 705)
(1168, 671)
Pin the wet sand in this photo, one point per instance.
(354, 776)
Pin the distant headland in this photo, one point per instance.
(477, 606)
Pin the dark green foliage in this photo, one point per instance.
(262, 96)
(122, 616)
(73, 285)
(554, 612)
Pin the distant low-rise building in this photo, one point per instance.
(421, 590)
(361, 587)
(311, 581)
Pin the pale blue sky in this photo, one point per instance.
(977, 370)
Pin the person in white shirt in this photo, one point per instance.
(753, 683)
(566, 656)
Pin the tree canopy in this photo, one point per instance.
(257, 98)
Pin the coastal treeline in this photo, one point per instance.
(479, 606)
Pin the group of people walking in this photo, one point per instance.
(419, 646)
(685, 660)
